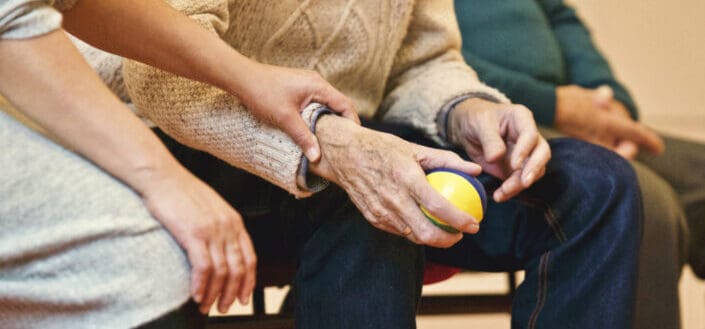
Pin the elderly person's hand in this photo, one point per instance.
(384, 177)
(503, 139)
(596, 117)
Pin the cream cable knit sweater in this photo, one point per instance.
(398, 60)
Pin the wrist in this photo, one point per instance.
(236, 76)
(149, 177)
(334, 135)
(457, 118)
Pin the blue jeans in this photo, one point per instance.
(576, 233)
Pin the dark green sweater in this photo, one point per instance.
(526, 48)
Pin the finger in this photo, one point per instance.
(383, 226)
(423, 230)
(493, 147)
(236, 272)
(637, 133)
(524, 147)
(250, 258)
(509, 188)
(293, 125)
(434, 203)
(201, 268)
(430, 158)
(627, 149)
(379, 215)
(220, 271)
(339, 103)
(536, 163)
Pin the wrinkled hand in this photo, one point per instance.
(504, 140)
(384, 176)
(212, 233)
(277, 95)
(596, 117)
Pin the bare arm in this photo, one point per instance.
(46, 78)
(153, 33)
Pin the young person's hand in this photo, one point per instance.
(503, 139)
(49, 82)
(218, 247)
(277, 95)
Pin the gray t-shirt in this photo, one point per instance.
(21, 19)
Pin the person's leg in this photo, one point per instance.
(663, 248)
(78, 249)
(662, 253)
(576, 233)
(353, 275)
(681, 165)
(350, 275)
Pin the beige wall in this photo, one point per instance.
(658, 49)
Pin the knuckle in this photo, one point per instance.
(204, 266)
(202, 231)
(427, 237)
(433, 206)
(220, 270)
(251, 263)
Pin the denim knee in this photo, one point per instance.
(599, 180)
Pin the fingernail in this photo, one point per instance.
(474, 227)
(407, 231)
(312, 154)
(197, 298)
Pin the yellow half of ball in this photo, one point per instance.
(461, 193)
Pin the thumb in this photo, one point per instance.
(603, 95)
(303, 137)
(627, 149)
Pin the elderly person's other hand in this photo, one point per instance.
(503, 139)
(384, 177)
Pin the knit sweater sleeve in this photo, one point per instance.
(209, 119)
(539, 96)
(429, 71)
(587, 67)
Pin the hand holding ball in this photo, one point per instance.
(462, 190)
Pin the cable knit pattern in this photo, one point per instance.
(397, 59)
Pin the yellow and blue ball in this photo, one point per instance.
(462, 190)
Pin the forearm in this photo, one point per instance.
(153, 33)
(47, 80)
